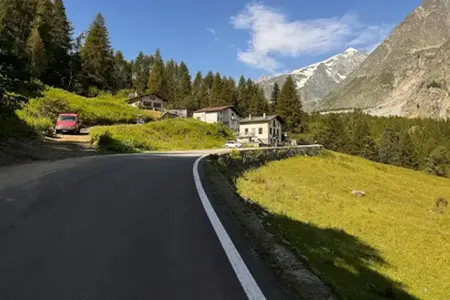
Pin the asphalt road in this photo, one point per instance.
(121, 227)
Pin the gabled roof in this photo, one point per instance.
(219, 108)
(261, 119)
(138, 98)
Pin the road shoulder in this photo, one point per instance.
(278, 271)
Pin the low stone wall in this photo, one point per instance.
(236, 162)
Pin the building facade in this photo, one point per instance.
(266, 130)
(150, 101)
(227, 115)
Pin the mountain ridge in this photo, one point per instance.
(406, 74)
(315, 81)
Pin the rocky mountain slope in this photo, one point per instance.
(314, 82)
(408, 74)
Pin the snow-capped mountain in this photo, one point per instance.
(314, 82)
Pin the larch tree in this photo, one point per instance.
(184, 84)
(274, 98)
(141, 72)
(58, 72)
(289, 106)
(216, 90)
(97, 61)
(16, 18)
(36, 53)
(389, 151)
(121, 78)
(157, 81)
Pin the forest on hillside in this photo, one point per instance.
(38, 49)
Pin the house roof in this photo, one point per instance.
(138, 98)
(261, 119)
(219, 108)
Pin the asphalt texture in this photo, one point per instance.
(120, 227)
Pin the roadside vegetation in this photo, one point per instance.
(173, 134)
(392, 243)
(41, 113)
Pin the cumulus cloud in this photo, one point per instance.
(272, 35)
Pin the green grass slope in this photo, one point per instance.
(394, 243)
(40, 113)
(174, 134)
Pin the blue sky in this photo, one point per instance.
(235, 37)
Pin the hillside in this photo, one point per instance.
(407, 74)
(389, 244)
(314, 82)
(173, 134)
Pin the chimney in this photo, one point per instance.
(264, 115)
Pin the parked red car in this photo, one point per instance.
(68, 123)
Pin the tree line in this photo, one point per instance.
(418, 144)
(38, 48)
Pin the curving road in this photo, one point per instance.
(116, 227)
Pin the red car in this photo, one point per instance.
(68, 123)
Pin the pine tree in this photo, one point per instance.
(274, 98)
(289, 106)
(171, 81)
(216, 90)
(58, 72)
(157, 81)
(198, 91)
(227, 96)
(369, 149)
(389, 151)
(16, 18)
(36, 52)
(209, 79)
(44, 23)
(359, 132)
(241, 95)
(141, 72)
(408, 153)
(184, 84)
(97, 61)
(336, 136)
(438, 162)
(121, 78)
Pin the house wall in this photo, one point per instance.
(152, 102)
(208, 117)
(230, 119)
(272, 131)
(253, 129)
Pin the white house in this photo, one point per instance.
(228, 115)
(267, 130)
(150, 101)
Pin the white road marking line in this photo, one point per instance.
(243, 274)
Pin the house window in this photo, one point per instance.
(260, 130)
(156, 105)
(246, 131)
(270, 130)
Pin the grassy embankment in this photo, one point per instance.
(40, 113)
(394, 243)
(175, 134)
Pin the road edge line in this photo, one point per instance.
(248, 283)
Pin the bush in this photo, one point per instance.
(173, 134)
(39, 124)
(104, 110)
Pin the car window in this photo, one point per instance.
(67, 118)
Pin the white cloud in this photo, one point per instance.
(272, 34)
(212, 30)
